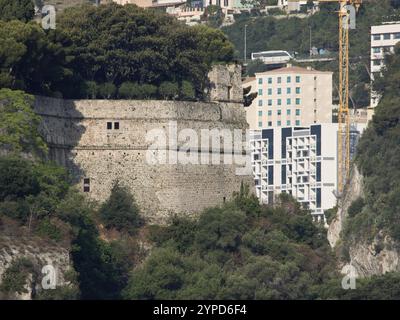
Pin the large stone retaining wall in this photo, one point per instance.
(79, 139)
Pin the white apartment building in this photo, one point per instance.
(300, 161)
(383, 40)
(290, 96)
(294, 5)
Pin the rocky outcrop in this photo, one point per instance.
(368, 257)
(377, 258)
(353, 191)
(39, 255)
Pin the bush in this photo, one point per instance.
(356, 207)
(107, 90)
(187, 91)
(17, 179)
(120, 211)
(15, 277)
(168, 90)
(91, 89)
(130, 90)
(127, 90)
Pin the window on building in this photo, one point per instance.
(260, 113)
(377, 62)
(279, 123)
(116, 125)
(297, 122)
(288, 90)
(279, 79)
(269, 80)
(386, 36)
(269, 123)
(289, 79)
(260, 103)
(270, 102)
(288, 101)
(396, 35)
(260, 124)
(297, 112)
(109, 125)
(86, 185)
(377, 37)
(288, 112)
(376, 50)
(279, 112)
(288, 123)
(260, 81)
(270, 112)
(269, 91)
(279, 91)
(260, 92)
(298, 101)
(298, 79)
(298, 90)
(279, 102)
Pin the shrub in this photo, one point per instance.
(168, 90)
(120, 210)
(15, 277)
(91, 89)
(356, 207)
(107, 90)
(126, 90)
(187, 91)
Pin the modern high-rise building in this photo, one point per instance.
(383, 40)
(300, 161)
(290, 96)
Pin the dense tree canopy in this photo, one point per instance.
(16, 10)
(19, 124)
(31, 59)
(117, 44)
(238, 251)
(101, 51)
(379, 158)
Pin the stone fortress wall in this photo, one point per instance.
(83, 136)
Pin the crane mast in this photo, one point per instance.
(344, 114)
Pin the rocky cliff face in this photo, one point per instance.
(369, 258)
(352, 192)
(38, 254)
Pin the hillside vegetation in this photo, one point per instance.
(110, 51)
(378, 159)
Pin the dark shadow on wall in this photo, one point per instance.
(62, 130)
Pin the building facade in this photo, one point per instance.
(290, 96)
(300, 161)
(383, 40)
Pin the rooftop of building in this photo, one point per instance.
(294, 69)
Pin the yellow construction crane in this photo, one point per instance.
(345, 13)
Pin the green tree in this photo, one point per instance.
(187, 90)
(31, 59)
(19, 124)
(117, 44)
(16, 10)
(107, 90)
(169, 90)
(120, 210)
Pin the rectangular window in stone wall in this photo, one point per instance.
(86, 185)
(109, 125)
(116, 125)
